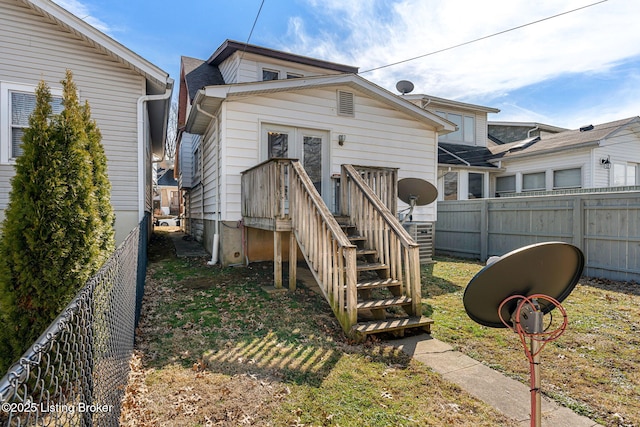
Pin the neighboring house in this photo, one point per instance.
(246, 105)
(505, 132)
(463, 170)
(604, 155)
(168, 193)
(129, 97)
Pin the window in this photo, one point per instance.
(505, 184)
(20, 101)
(466, 128)
(624, 174)
(567, 178)
(293, 75)
(476, 185)
(451, 186)
(270, 74)
(533, 181)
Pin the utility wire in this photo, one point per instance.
(483, 38)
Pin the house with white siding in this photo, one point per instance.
(278, 150)
(463, 170)
(595, 156)
(128, 95)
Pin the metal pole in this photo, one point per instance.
(536, 402)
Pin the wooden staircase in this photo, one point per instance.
(381, 305)
(366, 264)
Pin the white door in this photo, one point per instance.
(310, 146)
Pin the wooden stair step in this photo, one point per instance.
(376, 326)
(362, 252)
(354, 239)
(371, 266)
(383, 303)
(372, 284)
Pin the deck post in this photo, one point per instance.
(277, 259)
(293, 254)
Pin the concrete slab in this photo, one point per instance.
(509, 396)
(187, 247)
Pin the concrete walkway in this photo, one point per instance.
(505, 394)
(509, 396)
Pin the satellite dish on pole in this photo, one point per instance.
(404, 86)
(517, 289)
(416, 192)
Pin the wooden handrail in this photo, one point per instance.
(393, 245)
(329, 253)
(384, 183)
(264, 190)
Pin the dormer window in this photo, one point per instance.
(293, 75)
(466, 128)
(270, 74)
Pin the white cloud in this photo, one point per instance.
(589, 40)
(82, 11)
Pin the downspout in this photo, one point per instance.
(531, 130)
(141, 143)
(215, 246)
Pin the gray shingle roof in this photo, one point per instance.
(199, 74)
(451, 154)
(563, 140)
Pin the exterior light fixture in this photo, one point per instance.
(342, 139)
(606, 163)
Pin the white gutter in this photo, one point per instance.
(141, 143)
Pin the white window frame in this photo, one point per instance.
(6, 88)
(465, 134)
(627, 166)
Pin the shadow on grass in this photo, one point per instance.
(222, 320)
(434, 286)
(629, 288)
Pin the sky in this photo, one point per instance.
(575, 69)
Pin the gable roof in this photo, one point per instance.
(158, 82)
(209, 99)
(229, 47)
(567, 140)
(427, 100)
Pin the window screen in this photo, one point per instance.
(22, 106)
(567, 178)
(506, 184)
(533, 181)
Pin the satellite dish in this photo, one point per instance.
(550, 268)
(404, 86)
(416, 192)
(517, 290)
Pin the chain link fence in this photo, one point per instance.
(75, 374)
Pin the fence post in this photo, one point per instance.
(484, 230)
(578, 222)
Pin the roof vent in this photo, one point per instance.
(586, 128)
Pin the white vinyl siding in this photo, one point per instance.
(380, 136)
(35, 48)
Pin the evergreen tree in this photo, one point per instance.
(58, 227)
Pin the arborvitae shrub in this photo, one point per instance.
(58, 227)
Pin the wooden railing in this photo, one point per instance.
(384, 183)
(264, 191)
(393, 244)
(326, 248)
(280, 190)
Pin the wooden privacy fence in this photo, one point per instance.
(606, 226)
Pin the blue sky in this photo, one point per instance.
(576, 69)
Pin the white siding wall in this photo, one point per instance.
(251, 65)
(33, 48)
(549, 163)
(377, 136)
(209, 171)
(623, 147)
